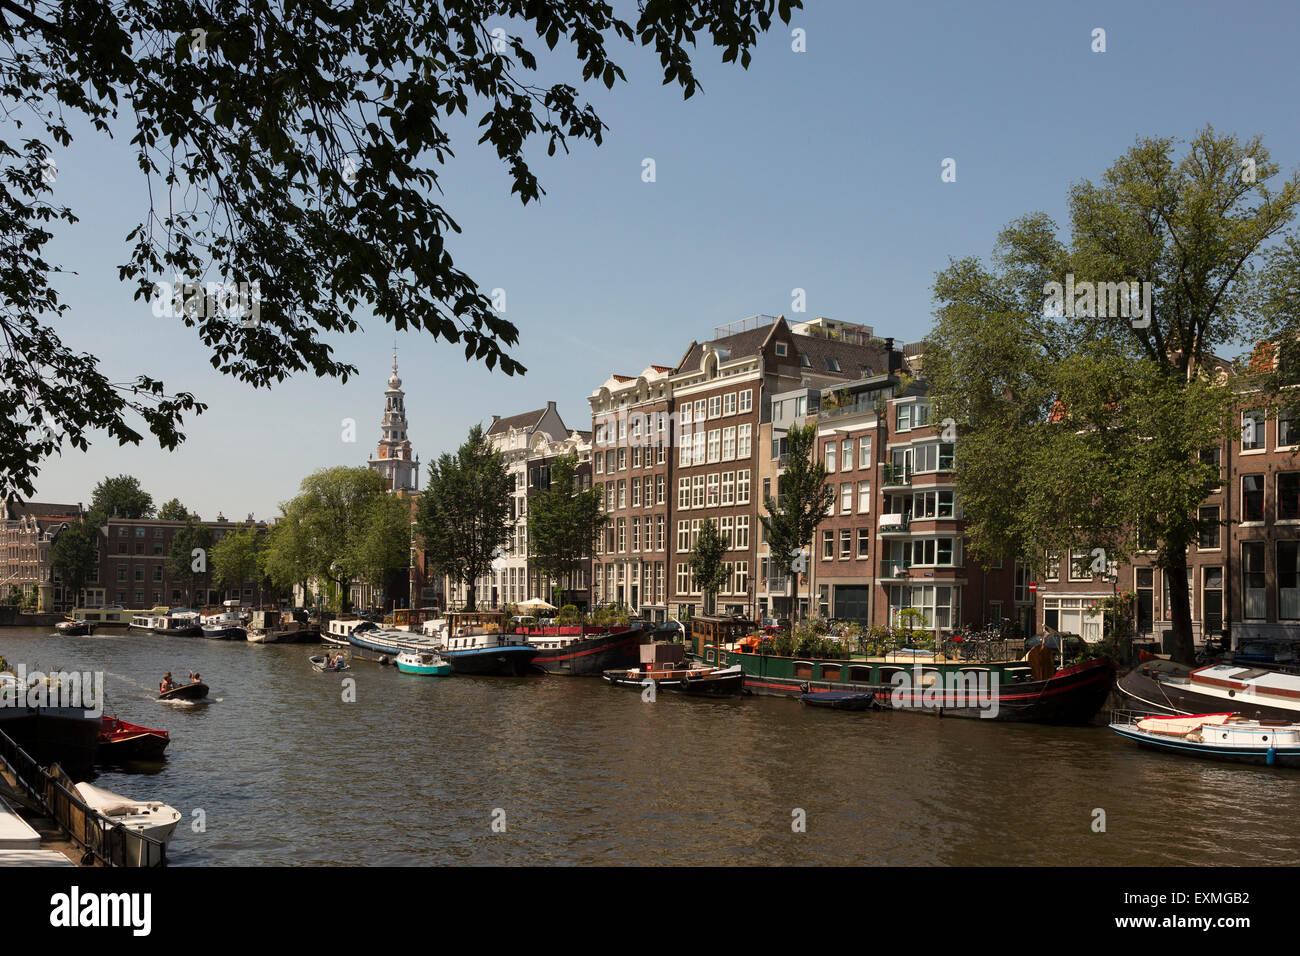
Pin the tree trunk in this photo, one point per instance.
(470, 589)
(1180, 609)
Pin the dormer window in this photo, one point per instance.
(780, 350)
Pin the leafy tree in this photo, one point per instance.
(807, 497)
(564, 522)
(237, 559)
(332, 510)
(173, 510)
(189, 556)
(706, 563)
(464, 513)
(1082, 422)
(285, 559)
(298, 146)
(120, 497)
(74, 556)
(383, 543)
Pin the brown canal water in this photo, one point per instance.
(417, 770)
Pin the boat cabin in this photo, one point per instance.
(708, 633)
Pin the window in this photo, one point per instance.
(699, 447)
(636, 492)
(622, 493)
(726, 531)
(1252, 579)
(683, 536)
(864, 541)
(729, 403)
(828, 545)
(1288, 580)
(904, 418)
(715, 406)
(1252, 430)
(699, 411)
(830, 456)
(697, 491)
(846, 456)
(846, 497)
(684, 493)
(1080, 566)
(685, 457)
(743, 444)
(742, 487)
(780, 350)
(846, 543)
(636, 457)
(729, 444)
(660, 483)
(600, 464)
(864, 497)
(1252, 497)
(728, 488)
(742, 533)
(746, 400)
(1288, 433)
(685, 414)
(622, 459)
(864, 452)
(1288, 495)
(713, 484)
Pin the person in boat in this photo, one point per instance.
(167, 683)
(194, 677)
(338, 661)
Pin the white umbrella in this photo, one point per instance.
(535, 604)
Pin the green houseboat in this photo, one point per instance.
(1032, 690)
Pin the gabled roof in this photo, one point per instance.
(500, 426)
(39, 510)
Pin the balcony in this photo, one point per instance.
(894, 524)
(896, 476)
(894, 568)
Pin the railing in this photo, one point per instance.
(894, 522)
(111, 844)
(894, 567)
(858, 406)
(897, 475)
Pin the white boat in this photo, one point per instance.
(276, 627)
(150, 818)
(161, 620)
(1218, 736)
(225, 624)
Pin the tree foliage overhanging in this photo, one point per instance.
(297, 146)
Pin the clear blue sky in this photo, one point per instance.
(818, 170)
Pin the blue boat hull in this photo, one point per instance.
(510, 661)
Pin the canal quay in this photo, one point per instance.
(574, 771)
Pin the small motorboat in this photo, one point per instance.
(1219, 736)
(323, 664)
(695, 681)
(427, 663)
(195, 690)
(839, 699)
(120, 741)
(74, 628)
(150, 818)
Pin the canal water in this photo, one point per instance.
(554, 770)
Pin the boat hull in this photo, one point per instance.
(225, 633)
(422, 670)
(121, 742)
(1148, 687)
(839, 700)
(1073, 695)
(730, 683)
(61, 735)
(1280, 756)
(515, 660)
(195, 691)
(591, 657)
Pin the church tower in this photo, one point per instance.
(393, 454)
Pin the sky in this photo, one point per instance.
(817, 170)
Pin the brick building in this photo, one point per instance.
(27, 533)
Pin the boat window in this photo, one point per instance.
(887, 675)
(831, 671)
(803, 669)
(861, 673)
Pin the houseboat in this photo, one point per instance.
(478, 642)
(278, 627)
(226, 624)
(580, 650)
(1006, 689)
(111, 615)
(1256, 693)
(693, 681)
(370, 642)
(172, 622)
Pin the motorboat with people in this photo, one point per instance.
(425, 663)
(121, 741)
(325, 663)
(1222, 736)
(194, 689)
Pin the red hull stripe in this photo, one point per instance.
(577, 654)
